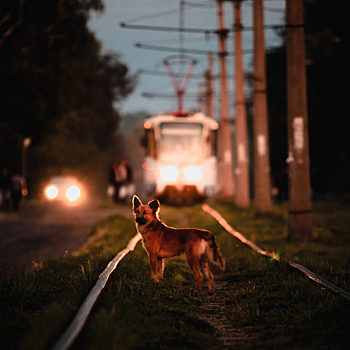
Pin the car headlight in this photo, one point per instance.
(51, 192)
(73, 193)
(193, 173)
(169, 173)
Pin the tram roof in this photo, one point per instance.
(196, 117)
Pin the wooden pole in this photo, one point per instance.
(242, 171)
(262, 191)
(225, 142)
(300, 215)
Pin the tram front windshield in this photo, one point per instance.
(181, 142)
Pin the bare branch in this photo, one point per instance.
(16, 24)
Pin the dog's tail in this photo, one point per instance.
(214, 250)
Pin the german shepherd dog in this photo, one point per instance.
(161, 241)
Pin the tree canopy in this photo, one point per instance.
(56, 87)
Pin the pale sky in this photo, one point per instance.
(200, 14)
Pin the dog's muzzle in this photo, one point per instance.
(141, 221)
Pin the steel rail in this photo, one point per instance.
(69, 336)
(301, 268)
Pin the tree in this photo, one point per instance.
(328, 50)
(56, 87)
(328, 73)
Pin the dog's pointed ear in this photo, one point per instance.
(136, 202)
(154, 205)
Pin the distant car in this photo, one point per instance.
(65, 189)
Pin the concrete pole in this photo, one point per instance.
(225, 141)
(262, 194)
(201, 97)
(242, 170)
(300, 216)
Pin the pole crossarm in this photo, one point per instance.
(166, 74)
(179, 75)
(170, 95)
(171, 49)
(192, 51)
(195, 30)
(167, 29)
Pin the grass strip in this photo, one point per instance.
(269, 304)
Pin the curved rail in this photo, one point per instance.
(304, 270)
(68, 337)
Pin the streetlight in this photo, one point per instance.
(26, 142)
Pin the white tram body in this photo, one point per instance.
(181, 160)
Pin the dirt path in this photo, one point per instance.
(228, 336)
(40, 232)
(215, 308)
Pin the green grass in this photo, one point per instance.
(274, 305)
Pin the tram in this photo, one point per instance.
(180, 165)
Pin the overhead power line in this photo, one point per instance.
(171, 11)
(155, 15)
(267, 8)
(199, 5)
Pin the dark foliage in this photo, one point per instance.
(55, 86)
(327, 58)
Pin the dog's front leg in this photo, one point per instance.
(154, 265)
(160, 267)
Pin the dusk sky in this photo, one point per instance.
(198, 14)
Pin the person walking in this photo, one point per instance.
(120, 178)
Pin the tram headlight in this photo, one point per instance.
(193, 173)
(169, 173)
(73, 193)
(51, 192)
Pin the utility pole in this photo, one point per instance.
(26, 143)
(209, 81)
(201, 97)
(299, 206)
(225, 142)
(262, 195)
(242, 171)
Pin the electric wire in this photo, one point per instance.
(166, 13)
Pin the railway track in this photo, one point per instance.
(224, 333)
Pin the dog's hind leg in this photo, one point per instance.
(204, 262)
(193, 261)
(160, 268)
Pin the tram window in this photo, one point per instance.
(181, 140)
